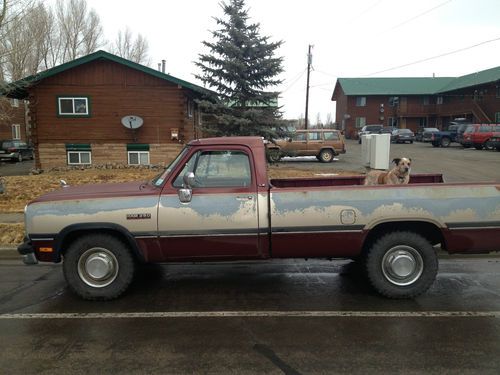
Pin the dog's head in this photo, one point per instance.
(403, 166)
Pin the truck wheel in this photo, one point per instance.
(326, 156)
(98, 267)
(445, 142)
(478, 146)
(20, 158)
(273, 155)
(401, 265)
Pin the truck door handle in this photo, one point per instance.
(244, 198)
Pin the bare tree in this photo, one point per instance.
(131, 49)
(319, 123)
(329, 120)
(80, 29)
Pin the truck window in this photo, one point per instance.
(299, 137)
(219, 168)
(331, 136)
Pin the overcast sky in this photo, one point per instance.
(351, 38)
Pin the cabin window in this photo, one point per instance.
(138, 154)
(425, 100)
(14, 103)
(138, 157)
(497, 117)
(16, 131)
(79, 154)
(73, 106)
(79, 157)
(360, 101)
(439, 100)
(190, 108)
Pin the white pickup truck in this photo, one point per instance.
(215, 202)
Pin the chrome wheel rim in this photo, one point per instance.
(402, 265)
(98, 267)
(326, 156)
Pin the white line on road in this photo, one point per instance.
(259, 314)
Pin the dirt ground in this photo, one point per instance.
(20, 190)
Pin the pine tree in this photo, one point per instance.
(240, 67)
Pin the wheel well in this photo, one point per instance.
(68, 238)
(328, 148)
(429, 231)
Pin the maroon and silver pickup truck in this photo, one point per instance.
(215, 202)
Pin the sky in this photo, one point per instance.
(351, 38)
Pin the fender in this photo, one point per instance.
(96, 227)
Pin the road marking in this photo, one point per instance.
(259, 314)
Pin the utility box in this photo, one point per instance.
(380, 148)
(365, 149)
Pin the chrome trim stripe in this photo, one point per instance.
(319, 229)
(474, 225)
(42, 239)
(318, 232)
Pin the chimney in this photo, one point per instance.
(163, 66)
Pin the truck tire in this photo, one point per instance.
(401, 265)
(478, 146)
(98, 267)
(326, 156)
(20, 158)
(445, 142)
(488, 145)
(273, 155)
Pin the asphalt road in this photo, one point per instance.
(281, 317)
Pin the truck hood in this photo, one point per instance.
(95, 191)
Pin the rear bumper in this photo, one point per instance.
(11, 156)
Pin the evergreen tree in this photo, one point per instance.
(240, 67)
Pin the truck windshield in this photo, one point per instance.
(158, 180)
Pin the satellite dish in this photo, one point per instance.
(132, 122)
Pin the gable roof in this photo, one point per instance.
(18, 89)
(413, 85)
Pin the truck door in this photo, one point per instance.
(314, 143)
(221, 220)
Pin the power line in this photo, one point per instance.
(434, 57)
(295, 81)
(419, 15)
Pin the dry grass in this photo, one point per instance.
(11, 234)
(22, 189)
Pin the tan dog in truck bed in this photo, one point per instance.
(399, 175)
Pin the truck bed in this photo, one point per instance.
(422, 178)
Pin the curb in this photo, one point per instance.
(9, 252)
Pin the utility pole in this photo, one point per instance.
(309, 62)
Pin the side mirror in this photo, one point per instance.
(186, 192)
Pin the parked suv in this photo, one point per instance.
(15, 150)
(322, 143)
(369, 129)
(478, 135)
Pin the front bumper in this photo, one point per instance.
(27, 250)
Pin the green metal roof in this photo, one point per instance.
(414, 85)
(18, 88)
(474, 79)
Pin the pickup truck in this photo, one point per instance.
(214, 202)
(445, 137)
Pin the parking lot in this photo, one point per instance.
(455, 163)
(276, 317)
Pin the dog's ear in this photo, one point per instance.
(409, 159)
(396, 161)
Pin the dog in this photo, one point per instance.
(399, 175)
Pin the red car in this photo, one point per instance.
(478, 135)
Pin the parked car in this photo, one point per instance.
(402, 136)
(425, 134)
(478, 136)
(15, 150)
(369, 129)
(322, 143)
(445, 137)
(495, 141)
